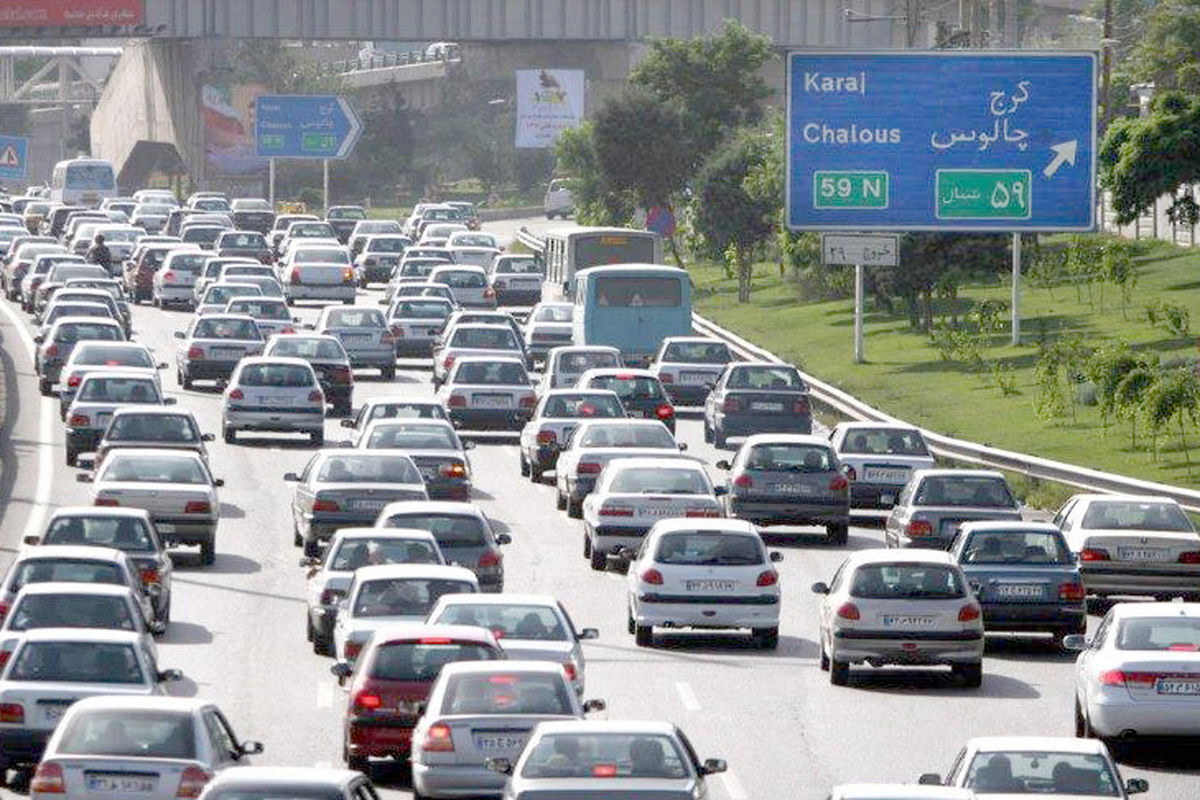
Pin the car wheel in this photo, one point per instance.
(312, 548)
(1083, 728)
(208, 553)
(388, 373)
(839, 533)
(839, 672)
(629, 622)
(1192, 597)
(524, 467)
(230, 435)
(317, 438)
(824, 658)
(357, 763)
(560, 501)
(45, 387)
(72, 457)
(309, 632)
(766, 638)
(186, 380)
(535, 473)
(643, 635)
(718, 438)
(297, 539)
(971, 675)
(598, 559)
(708, 436)
(587, 545)
(574, 508)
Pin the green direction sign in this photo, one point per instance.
(271, 140)
(318, 141)
(850, 189)
(984, 194)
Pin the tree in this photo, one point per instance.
(1174, 396)
(597, 200)
(1146, 158)
(1169, 48)
(938, 263)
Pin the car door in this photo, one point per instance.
(302, 500)
(222, 743)
(1083, 664)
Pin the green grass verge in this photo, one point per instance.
(905, 375)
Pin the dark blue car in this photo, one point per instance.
(1024, 576)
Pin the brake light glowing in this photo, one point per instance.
(192, 782)
(78, 420)
(457, 401)
(664, 411)
(295, 274)
(352, 650)
(1073, 592)
(491, 559)
(546, 437)
(1190, 557)
(743, 482)
(839, 483)
(325, 505)
(435, 640)
(347, 275)
(528, 401)
(197, 507)
(448, 361)
(570, 670)
(968, 613)
(1093, 554)
(768, 578)
(74, 380)
(731, 406)
(106, 501)
(315, 396)
(1116, 677)
(848, 611)
(455, 470)
(438, 739)
(588, 468)
(12, 712)
(604, 771)
(652, 577)
(615, 511)
(237, 394)
(367, 700)
(49, 779)
(150, 575)
(195, 352)
(489, 292)
(917, 528)
(168, 277)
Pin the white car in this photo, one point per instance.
(378, 257)
(911, 607)
(217, 295)
(633, 494)
(477, 256)
(559, 200)
(272, 393)
(564, 365)
(486, 341)
(100, 606)
(689, 366)
(554, 418)
(98, 356)
(392, 407)
(69, 564)
(705, 575)
(364, 334)
(1132, 545)
(101, 393)
(270, 314)
(382, 595)
(488, 393)
(897, 791)
(148, 747)
(473, 239)
(212, 346)
(415, 323)
(468, 284)
(1139, 673)
(175, 281)
(212, 269)
(549, 326)
(882, 457)
(529, 626)
(434, 447)
(306, 279)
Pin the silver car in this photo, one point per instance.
(488, 393)
(271, 314)
(435, 448)
(463, 534)
(155, 428)
(415, 323)
(212, 346)
(564, 365)
(175, 280)
(393, 407)
(549, 326)
(881, 457)
(100, 394)
(97, 356)
(484, 341)
(272, 393)
(935, 502)
(468, 284)
(56, 346)
(217, 296)
(365, 334)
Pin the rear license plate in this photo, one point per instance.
(273, 401)
(356, 338)
(226, 353)
(499, 743)
(886, 474)
(526, 284)
(792, 488)
(53, 711)
(709, 585)
(120, 784)
(164, 527)
(660, 512)
(907, 621)
(766, 406)
(367, 505)
(1143, 553)
(694, 377)
(1023, 590)
(1177, 686)
(492, 400)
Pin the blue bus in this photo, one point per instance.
(632, 307)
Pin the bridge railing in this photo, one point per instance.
(386, 60)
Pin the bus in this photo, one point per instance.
(569, 250)
(632, 307)
(83, 182)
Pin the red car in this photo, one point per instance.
(392, 680)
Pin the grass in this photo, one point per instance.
(905, 376)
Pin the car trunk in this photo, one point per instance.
(910, 615)
(514, 282)
(477, 738)
(357, 338)
(366, 497)
(946, 520)
(781, 402)
(796, 486)
(319, 274)
(498, 396)
(226, 349)
(166, 499)
(1012, 583)
(260, 221)
(1163, 677)
(1144, 547)
(713, 583)
(649, 508)
(104, 777)
(888, 469)
(609, 788)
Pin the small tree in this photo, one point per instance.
(1173, 396)
(1129, 394)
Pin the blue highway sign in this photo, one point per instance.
(947, 141)
(14, 158)
(305, 126)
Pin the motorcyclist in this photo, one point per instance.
(99, 253)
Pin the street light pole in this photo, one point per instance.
(1106, 78)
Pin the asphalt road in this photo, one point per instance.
(237, 627)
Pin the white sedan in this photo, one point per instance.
(1139, 674)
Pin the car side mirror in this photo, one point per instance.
(1076, 642)
(820, 587)
(682, 446)
(207, 437)
(251, 748)
(594, 705)
(720, 491)
(503, 538)
(218, 482)
(347, 423)
(1137, 786)
(180, 335)
(589, 633)
(170, 401)
(170, 675)
(712, 766)
(84, 477)
(39, 338)
(775, 556)
(341, 670)
(722, 464)
(500, 765)
(291, 477)
(310, 561)
(468, 445)
(930, 779)
(161, 365)
(32, 541)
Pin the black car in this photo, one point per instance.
(640, 390)
(343, 219)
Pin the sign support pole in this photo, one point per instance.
(271, 181)
(1016, 289)
(325, 182)
(858, 314)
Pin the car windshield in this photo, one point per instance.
(956, 490)
(418, 309)
(1016, 547)
(884, 441)
(554, 314)
(507, 693)
(1136, 516)
(300, 347)
(276, 375)
(66, 570)
(404, 597)
(121, 533)
(709, 548)
(787, 457)
(450, 530)
(906, 581)
(369, 551)
(1076, 774)
(76, 662)
(412, 437)
(117, 390)
(153, 469)
(260, 309)
(494, 373)
(388, 245)
(764, 378)
(124, 733)
(517, 621)
(462, 279)
(368, 469)
(321, 255)
(422, 661)
(583, 407)
(67, 610)
(630, 387)
(575, 363)
(654, 436)
(355, 318)
(413, 410)
(79, 331)
(242, 329)
(606, 755)
(697, 353)
(659, 480)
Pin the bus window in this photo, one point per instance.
(612, 248)
(635, 292)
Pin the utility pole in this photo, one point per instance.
(1106, 76)
(912, 22)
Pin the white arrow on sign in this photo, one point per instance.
(356, 128)
(1064, 152)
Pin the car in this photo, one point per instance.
(704, 575)
(421, 289)
(57, 344)
(641, 392)
(344, 219)
(393, 407)
(110, 286)
(306, 279)
(146, 260)
(73, 294)
(152, 746)
(477, 256)
(53, 668)
(463, 533)
(438, 233)
(689, 366)
(633, 494)
(473, 238)
(305, 232)
(73, 308)
(516, 279)
(488, 393)
(216, 296)
(276, 394)
(479, 710)
(252, 214)
(215, 266)
(463, 340)
(548, 326)
(756, 397)
(378, 257)
(175, 487)
(482, 316)
(1138, 676)
(158, 428)
(68, 564)
(415, 323)
(365, 335)
(316, 250)
(381, 595)
(271, 314)
(897, 791)
(623, 760)
(1132, 545)
(22, 252)
(434, 447)
(533, 627)
(596, 442)
(212, 346)
(76, 605)
(100, 394)
(789, 479)
(1051, 766)
(328, 359)
(267, 783)
(282, 223)
(247, 244)
(564, 365)
(1024, 575)
(365, 228)
(414, 269)
(348, 488)
(881, 457)
(911, 607)
(329, 575)
(175, 283)
(559, 200)
(50, 273)
(130, 530)
(467, 283)
(554, 418)
(935, 502)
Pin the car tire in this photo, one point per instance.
(630, 624)
(574, 508)
(524, 466)
(560, 501)
(297, 539)
(643, 635)
(839, 672)
(536, 474)
(357, 763)
(824, 658)
(766, 638)
(342, 408)
(45, 387)
(587, 545)
(229, 435)
(1083, 726)
(708, 435)
(312, 548)
(208, 552)
(317, 438)
(185, 380)
(310, 633)
(839, 533)
(388, 373)
(718, 438)
(598, 559)
(72, 457)
(971, 675)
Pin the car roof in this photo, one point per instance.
(64, 321)
(118, 512)
(583, 348)
(1125, 498)
(153, 452)
(386, 533)
(401, 398)
(489, 360)
(1060, 744)
(74, 587)
(425, 630)
(956, 473)
(875, 426)
(1166, 609)
(900, 556)
(614, 421)
(464, 267)
(145, 374)
(585, 392)
(619, 372)
(284, 360)
(694, 339)
(429, 422)
(734, 364)
(504, 599)
(433, 571)
(785, 438)
(724, 525)
(1008, 525)
(416, 507)
(284, 777)
(153, 411)
(528, 667)
(152, 702)
(655, 463)
(72, 551)
(81, 635)
(588, 726)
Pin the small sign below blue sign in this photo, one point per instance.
(305, 126)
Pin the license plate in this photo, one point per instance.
(121, 784)
(1177, 686)
(526, 284)
(709, 586)
(696, 378)
(886, 474)
(792, 488)
(367, 505)
(907, 621)
(1143, 553)
(357, 338)
(497, 743)
(1019, 590)
(164, 527)
(660, 511)
(53, 712)
(273, 401)
(766, 406)
(226, 354)
(492, 400)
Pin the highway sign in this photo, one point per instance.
(860, 249)
(305, 126)
(14, 158)
(953, 140)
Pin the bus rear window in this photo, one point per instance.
(634, 292)
(612, 248)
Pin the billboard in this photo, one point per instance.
(93, 13)
(549, 101)
(228, 113)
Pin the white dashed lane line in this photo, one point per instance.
(687, 696)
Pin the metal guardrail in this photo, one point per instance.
(943, 446)
(384, 60)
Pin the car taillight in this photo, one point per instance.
(197, 507)
(652, 577)
(848, 611)
(237, 394)
(448, 361)
(347, 275)
(325, 505)
(851, 474)
(768, 578)
(74, 381)
(491, 558)
(546, 437)
(1117, 677)
(397, 332)
(331, 596)
(438, 739)
(49, 777)
(615, 511)
(743, 482)
(917, 528)
(454, 470)
(1093, 554)
(52, 351)
(588, 468)
(666, 377)
(702, 512)
(192, 782)
(570, 670)
(489, 292)
(838, 484)
(731, 406)
(352, 650)
(195, 352)
(295, 274)
(339, 375)
(968, 613)
(366, 700)
(106, 501)
(1071, 591)
(457, 401)
(12, 712)
(168, 277)
(287, 329)
(528, 401)
(79, 420)
(800, 407)
(1190, 557)
(664, 411)
(315, 396)
(150, 575)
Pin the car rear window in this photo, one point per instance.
(605, 755)
(346, 213)
(491, 373)
(117, 390)
(1042, 772)
(507, 694)
(188, 262)
(361, 552)
(121, 533)
(321, 255)
(658, 480)
(176, 428)
(697, 353)
(409, 437)
(416, 309)
(254, 241)
(764, 378)
(1016, 547)
(1135, 516)
(355, 318)
(884, 441)
(422, 662)
(554, 314)
(67, 610)
(628, 436)
(242, 329)
(630, 387)
(790, 458)
(583, 407)
(1159, 633)
(80, 331)
(260, 309)
(415, 410)
(220, 295)
(515, 621)
(66, 570)
(450, 530)
(391, 597)
(123, 733)
(493, 338)
(954, 490)
(300, 347)
(76, 662)
(245, 270)
(582, 362)
(709, 548)
(368, 469)
(390, 245)
(906, 581)
(153, 469)
(420, 267)
(474, 240)
(462, 279)
(276, 375)
(77, 310)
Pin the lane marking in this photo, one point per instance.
(324, 694)
(733, 787)
(687, 696)
(45, 442)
